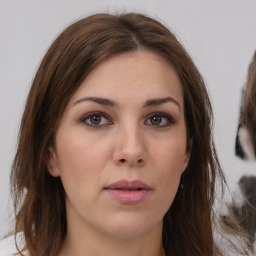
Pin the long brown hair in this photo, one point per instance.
(39, 198)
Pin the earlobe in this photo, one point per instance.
(52, 163)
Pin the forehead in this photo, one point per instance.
(137, 75)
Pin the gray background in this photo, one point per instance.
(219, 35)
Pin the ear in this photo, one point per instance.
(52, 162)
(187, 154)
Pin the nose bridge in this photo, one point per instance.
(130, 145)
(133, 139)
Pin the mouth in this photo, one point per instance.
(128, 192)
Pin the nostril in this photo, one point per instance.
(123, 161)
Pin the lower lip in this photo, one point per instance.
(128, 197)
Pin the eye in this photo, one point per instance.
(95, 120)
(160, 120)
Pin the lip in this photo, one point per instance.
(128, 192)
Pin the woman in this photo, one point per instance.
(115, 154)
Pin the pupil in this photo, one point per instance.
(156, 120)
(95, 120)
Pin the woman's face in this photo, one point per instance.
(120, 146)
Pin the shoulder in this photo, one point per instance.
(8, 247)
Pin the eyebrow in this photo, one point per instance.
(101, 101)
(160, 101)
(111, 103)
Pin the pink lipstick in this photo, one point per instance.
(128, 192)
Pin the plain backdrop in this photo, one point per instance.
(219, 35)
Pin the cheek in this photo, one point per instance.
(169, 161)
(79, 153)
(169, 173)
(79, 165)
(170, 157)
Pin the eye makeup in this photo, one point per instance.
(98, 119)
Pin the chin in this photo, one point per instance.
(131, 228)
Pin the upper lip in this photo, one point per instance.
(129, 185)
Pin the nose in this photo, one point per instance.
(130, 148)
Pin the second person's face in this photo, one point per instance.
(121, 146)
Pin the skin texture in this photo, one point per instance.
(130, 142)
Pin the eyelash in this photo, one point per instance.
(169, 119)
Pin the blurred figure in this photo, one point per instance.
(243, 208)
(246, 134)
